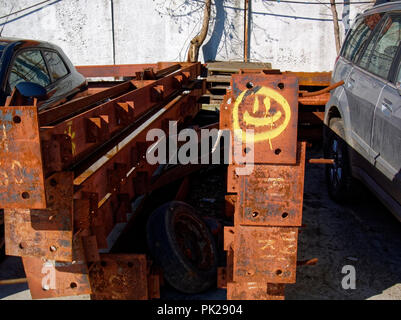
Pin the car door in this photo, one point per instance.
(362, 89)
(62, 84)
(386, 137)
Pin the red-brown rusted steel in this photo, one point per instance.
(255, 291)
(123, 70)
(321, 161)
(119, 277)
(22, 183)
(262, 245)
(272, 195)
(319, 100)
(313, 79)
(69, 279)
(71, 176)
(323, 91)
(258, 98)
(46, 233)
(138, 71)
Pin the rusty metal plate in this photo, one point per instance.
(255, 291)
(228, 237)
(267, 104)
(120, 277)
(51, 279)
(21, 171)
(229, 205)
(44, 233)
(265, 254)
(232, 179)
(273, 194)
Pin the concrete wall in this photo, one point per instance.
(291, 36)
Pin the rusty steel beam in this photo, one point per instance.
(32, 151)
(60, 209)
(313, 78)
(124, 70)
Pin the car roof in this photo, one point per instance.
(21, 43)
(384, 7)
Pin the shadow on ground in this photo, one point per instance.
(364, 235)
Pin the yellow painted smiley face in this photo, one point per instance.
(267, 122)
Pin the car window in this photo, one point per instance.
(358, 36)
(29, 66)
(55, 64)
(381, 51)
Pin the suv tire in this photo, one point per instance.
(340, 183)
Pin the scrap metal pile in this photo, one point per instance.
(71, 172)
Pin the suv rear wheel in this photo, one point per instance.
(340, 183)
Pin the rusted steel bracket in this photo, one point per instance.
(262, 244)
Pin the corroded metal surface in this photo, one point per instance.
(262, 245)
(50, 279)
(72, 172)
(46, 233)
(268, 105)
(119, 277)
(255, 291)
(21, 173)
(272, 195)
(265, 254)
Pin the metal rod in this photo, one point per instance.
(325, 90)
(246, 25)
(321, 161)
(13, 281)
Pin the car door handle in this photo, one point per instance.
(386, 107)
(351, 82)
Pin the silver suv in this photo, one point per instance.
(363, 117)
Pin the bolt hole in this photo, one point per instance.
(281, 85)
(249, 85)
(17, 119)
(130, 264)
(103, 263)
(53, 182)
(277, 151)
(279, 272)
(284, 215)
(73, 285)
(246, 150)
(21, 246)
(255, 214)
(25, 195)
(53, 249)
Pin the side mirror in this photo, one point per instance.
(30, 89)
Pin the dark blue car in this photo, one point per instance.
(38, 62)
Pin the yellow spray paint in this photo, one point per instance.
(71, 133)
(268, 120)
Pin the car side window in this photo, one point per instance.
(378, 56)
(56, 65)
(29, 66)
(358, 36)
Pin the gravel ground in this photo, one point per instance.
(364, 235)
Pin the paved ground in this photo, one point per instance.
(363, 235)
